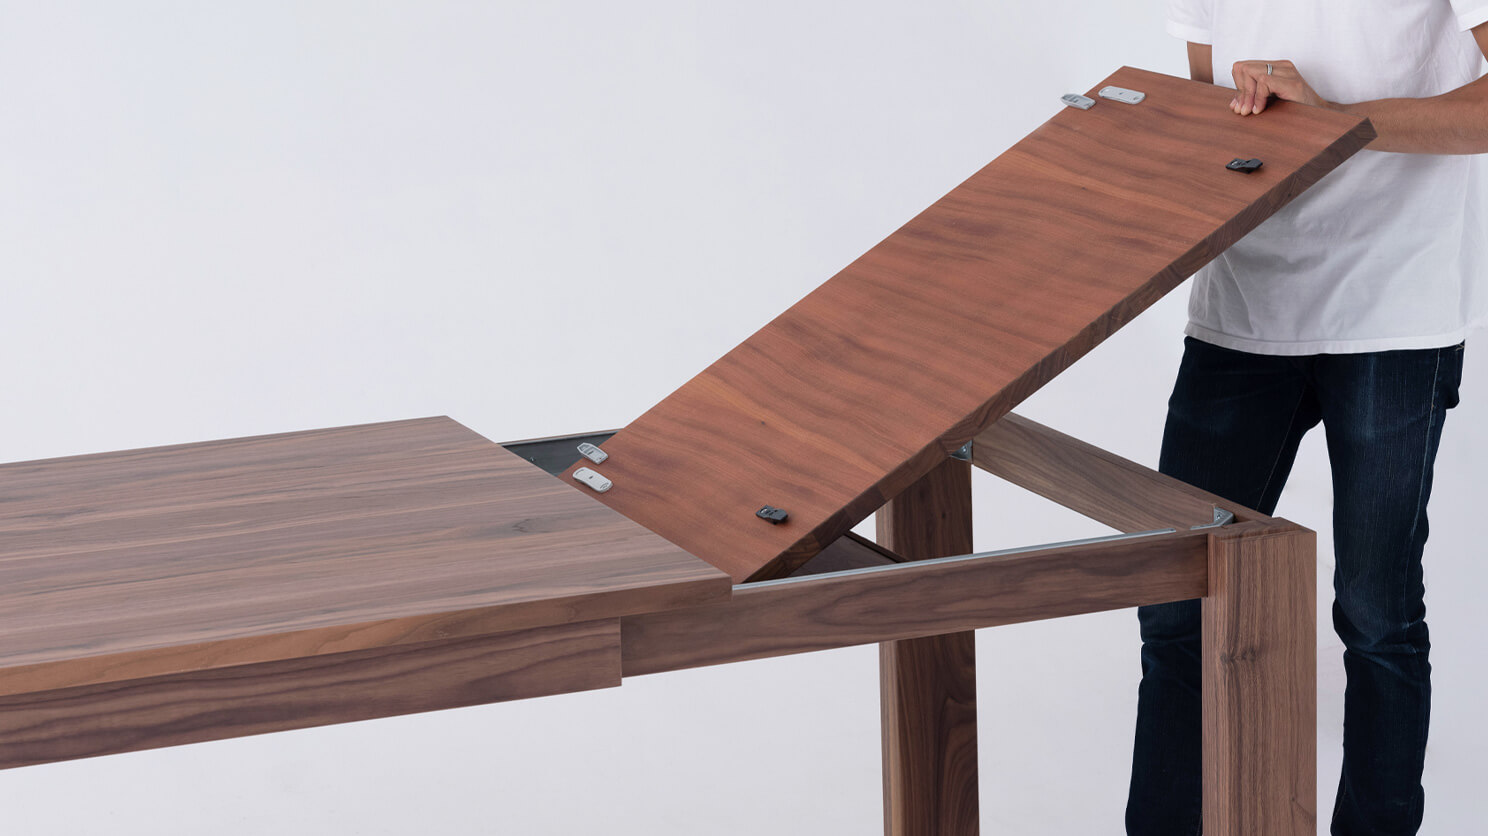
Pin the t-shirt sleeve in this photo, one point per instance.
(1470, 13)
(1192, 20)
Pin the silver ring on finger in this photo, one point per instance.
(1268, 68)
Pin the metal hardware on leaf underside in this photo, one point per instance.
(1221, 517)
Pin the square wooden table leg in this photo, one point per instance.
(1260, 684)
(928, 685)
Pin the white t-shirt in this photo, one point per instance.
(1387, 251)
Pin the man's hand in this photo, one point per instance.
(1257, 81)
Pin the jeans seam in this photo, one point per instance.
(1425, 464)
(1418, 800)
(1271, 474)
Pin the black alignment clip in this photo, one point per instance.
(773, 514)
(1246, 166)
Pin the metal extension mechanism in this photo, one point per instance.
(1221, 518)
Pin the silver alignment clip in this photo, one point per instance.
(592, 479)
(592, 453)
(1077, 100)
(1121, 94)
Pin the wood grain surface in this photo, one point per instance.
(932, 517)
(299, 693)
(1097, 483)
(868, 382)
(154, 562)
(927, 686)
(1260, 683)
(928, 693)
(920, 598)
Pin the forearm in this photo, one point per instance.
(1201, 62)
(1456, 122)
(1452, 123)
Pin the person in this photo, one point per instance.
(1348, 308)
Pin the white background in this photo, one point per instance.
(538, 218)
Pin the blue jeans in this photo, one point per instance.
(1234, 424)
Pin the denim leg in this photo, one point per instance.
(1383, 416)
(1235, 421)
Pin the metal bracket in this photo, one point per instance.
(964, 453)
(1221, 517)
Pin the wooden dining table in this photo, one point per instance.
(181, 594)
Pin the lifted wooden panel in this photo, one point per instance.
(862, 387)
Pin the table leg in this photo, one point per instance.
(928, 685)
(1260, 684)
